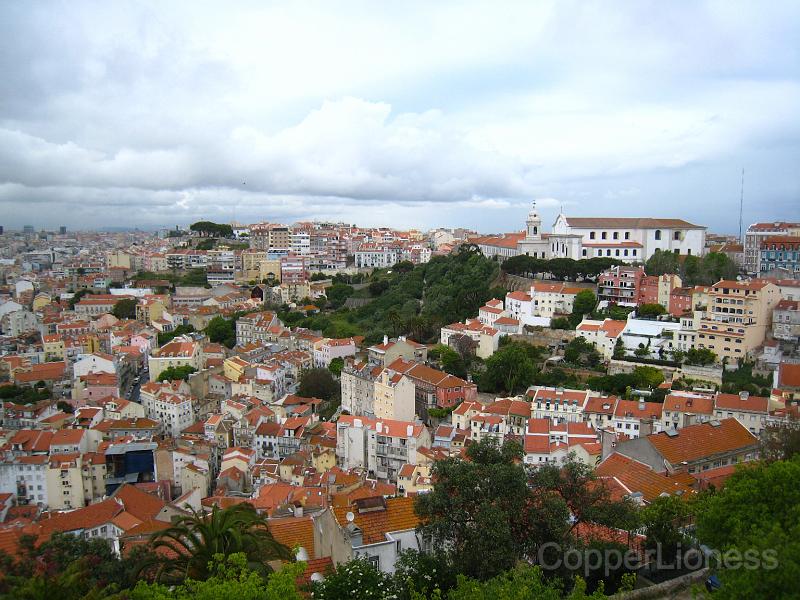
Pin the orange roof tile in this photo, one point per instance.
(703, 439)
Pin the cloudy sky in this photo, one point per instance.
(397, 113)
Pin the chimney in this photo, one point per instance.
(608, 442)
(645, 427)
(409, 430)
(743, 396)
(298, 511)
(641, 404)
(385, 339)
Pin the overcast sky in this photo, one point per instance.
(397, 113)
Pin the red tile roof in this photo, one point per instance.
(635, 476)
(703, 439)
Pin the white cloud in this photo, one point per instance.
(417, 113)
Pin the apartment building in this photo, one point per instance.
(358, 387)
(486, 338)
(756, 233)
(390, 350)
(394, 396)
(558, 404)
(751, 411)
(169, 403)
(381, 447)
(620, 285)
(786, 321)
(177, 353)
(258, 328)
(603, 334)
(780, 256)
(737, 319)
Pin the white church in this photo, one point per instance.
(627, 239)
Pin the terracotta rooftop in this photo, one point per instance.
(398, 515)
(638, 477)
(703, 439)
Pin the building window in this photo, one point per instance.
(677, 236)
(658, 234)
(603, 235)
(627, 235)
(591, 235)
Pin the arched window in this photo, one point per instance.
(658, 234)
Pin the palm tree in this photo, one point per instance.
(187, 547)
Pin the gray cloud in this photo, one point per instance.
(160, 114)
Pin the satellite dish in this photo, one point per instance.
(350, 517)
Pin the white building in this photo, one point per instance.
(380, 446)
(632, 239)
(170, 404)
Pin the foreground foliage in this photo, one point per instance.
(188, 547)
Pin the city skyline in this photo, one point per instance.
(143, 115)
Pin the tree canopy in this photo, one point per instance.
(756, 517)
(488, 512)
(210, 228)
(125, 309)
(176, 373)
(511, 369)
(222, 331)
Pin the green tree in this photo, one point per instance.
(780, 440)
(450, 360)
(478, 510)
(376, 288)
(167, 336)
(650, 310)
(664, 520)
(125, 309)
(229, 579)
(65, 566)
(209, 228)
(561, 323)
(318, 383)
(188, 548)
(336, 366)
(580, 352)
(510, 369)
(423, 574)
(76, 297)
(662, 262)
(176, 373)
(619, 349)
(585, 302)
(222, 331)
(648, 377)
(338, 294)
(700, 356)
(756, 515)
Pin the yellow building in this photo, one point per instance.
(118, 259)
(150, 308)
(53, 346)
(234, 368)
(737, 318)
(40, 301)
(65, 487)
(323, 459)
(270, 269)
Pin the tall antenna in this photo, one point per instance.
(741, 208)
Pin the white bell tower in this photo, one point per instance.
(534, 223)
